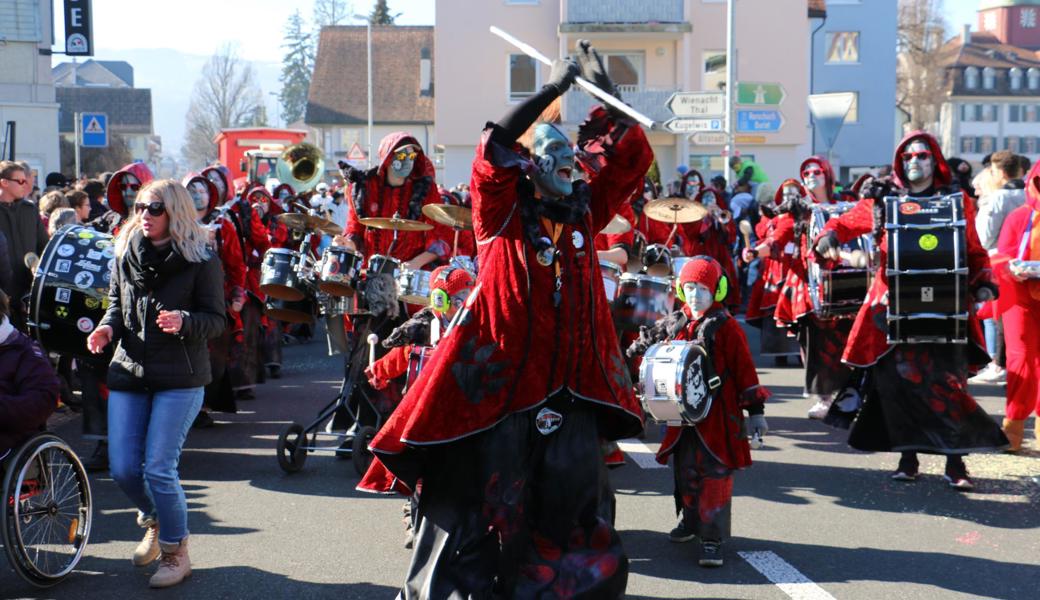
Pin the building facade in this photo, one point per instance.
(653, 49)
(26, 90)
(854, 50)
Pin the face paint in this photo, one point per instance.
(555, 158)
(698, 297)
(693, 188)
(709, 199)
(219, 182)
(918, 162)
(130, 185)
(812, 176)
(792, 195)
(199, 195)
(403, 161)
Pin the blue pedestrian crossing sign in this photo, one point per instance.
(93, 129)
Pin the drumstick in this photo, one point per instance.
(372, 340)
(745, 230)
(435, 331)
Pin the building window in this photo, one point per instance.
(843, 47)
(1027, 18)
(1030, 114)
(987, 144)
(853, 115)
(1029, 145)
(1012, 143)
(967, 145)
(625, 68)
(523, 76)
(1033, 77)
(989, 78)
(1013, 113)
(989, 113)
(1015, 78)
(969, 112)
(971, 78)
(714, 75)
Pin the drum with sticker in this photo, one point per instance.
(70, 290)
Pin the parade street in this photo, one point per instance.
(812, 518)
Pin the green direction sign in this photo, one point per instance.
(760, 94)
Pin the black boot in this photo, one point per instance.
(98, 461)
(203, 420)
(275, 371)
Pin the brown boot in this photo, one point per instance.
(1015, 430)
(148, 550)
(174, 566)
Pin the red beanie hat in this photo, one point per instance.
(703, 270)
(451, 279)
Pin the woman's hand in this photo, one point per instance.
(99, 338)
(170, 321)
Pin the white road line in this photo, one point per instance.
(639, 452)
(789, 579)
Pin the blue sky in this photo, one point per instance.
(959, 12)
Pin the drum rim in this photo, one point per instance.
(643, 276)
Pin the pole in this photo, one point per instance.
(731, 71)
(371, 155)
(77, 124)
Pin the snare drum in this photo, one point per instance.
(642, 300)
(841, 290)
(335, 306)
(339, 271)
(300, 311)
(657, 261)
(673, 384)
(927, 269)
(69, 293)
(388, 265)
(413, 287)
(280, 274)
(465, 262)
(611, 277)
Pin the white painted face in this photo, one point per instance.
(792, 195)
(918, 162)
(698, 297)
(813, 177)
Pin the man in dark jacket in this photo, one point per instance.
(20, 223)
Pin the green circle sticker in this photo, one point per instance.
(928, 242)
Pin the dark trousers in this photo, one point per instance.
(245, 354)
(703, 488)
(92, 378)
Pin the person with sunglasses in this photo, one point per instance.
(818, 177)
(914, 396)
(25, 232)
(120, 192)
(166, 302)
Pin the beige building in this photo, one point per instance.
(653, 48)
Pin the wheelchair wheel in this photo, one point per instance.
(361, 455)
(47, 510)
(292, 451)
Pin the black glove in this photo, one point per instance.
(564, 70)
(350, 173)
(877, 188)
(828, 242)
(592, 68)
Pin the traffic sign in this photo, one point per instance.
(828, 111)
(759, 121)
(93, 130)
(708, 138)
(697, 104)
(749, 139)
(760, 94)
(692, 125)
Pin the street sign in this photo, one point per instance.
(79, 34)
(828, 111)
(749, 139)
(697, 104)
(693, 125)
(708, 138)
(760, 94)
(93, 130)
(759, 121)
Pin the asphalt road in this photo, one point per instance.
(812, 519)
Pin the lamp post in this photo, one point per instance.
(368, 52)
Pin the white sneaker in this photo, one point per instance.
(991, 375)
(819, 410)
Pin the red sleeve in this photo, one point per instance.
(355, 229)
(783, 232)
(627, 239)
(35, 393)
(393, 364)
(1010, 240)
(617, 156)
(858, 221)
(258, 234)
(231, 258)
(762, 228)
(741, 365)
(493, 187)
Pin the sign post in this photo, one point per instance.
(79, 31)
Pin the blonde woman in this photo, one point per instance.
(167, 300)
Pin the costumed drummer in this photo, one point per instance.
(504, 424)
(705, 455)
(714, 236)
(915, 396)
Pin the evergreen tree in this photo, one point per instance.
(381, 14)
(297, 67)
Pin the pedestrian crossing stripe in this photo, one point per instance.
(94, 126)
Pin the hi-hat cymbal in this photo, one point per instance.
(675, 210)
(456, 217)
(304, 222)
(616, 226)
(396, 224)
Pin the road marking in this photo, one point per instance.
(789, 579)
(640, 453)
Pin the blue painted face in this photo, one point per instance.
(555, 158)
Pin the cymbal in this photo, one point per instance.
(304, 221)
(675, 210)
(616, 226)
(456, 217)
(395, 224)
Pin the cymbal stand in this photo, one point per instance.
(393, 242)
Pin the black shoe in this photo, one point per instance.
(681, 534)
(957, 476)
(711, 554)
(906, 471)
(780, 361)
(275, 371)
(203, 421)
(98, 461)
(245, 394)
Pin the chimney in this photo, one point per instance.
(966, 35)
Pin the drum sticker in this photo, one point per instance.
(548, 421)
(927, 294)
(93, 255)
(62, 312)
(62, 265)
(105, 302)
(83, 242)
(66, 250)
(92, 303)
(333, 267)
(63, 295)
(108, 251)
(928, 242)
(909, 208)
(578, 239)
(84, 279)
(89, 266)
(85, 325)
(85, 235)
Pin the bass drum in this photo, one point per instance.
(839, 291)
(69, 293)
(642, 300)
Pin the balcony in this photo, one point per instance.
(625, 16)
(649, 101)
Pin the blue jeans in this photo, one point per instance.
(146, 432)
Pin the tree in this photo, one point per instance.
(95, 160)
(330, 12)
(297, 66)
(226, 95)
(381, 14)
(921, 82)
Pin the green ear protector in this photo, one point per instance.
(440, 301)
(721, 290)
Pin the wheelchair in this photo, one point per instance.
(47, 509)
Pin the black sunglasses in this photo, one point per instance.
(156, 209)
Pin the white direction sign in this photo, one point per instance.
(693, 125)
(697, 104)
(708, 138)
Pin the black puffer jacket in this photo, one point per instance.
(146, 358)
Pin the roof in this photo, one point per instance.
(985, 50)
(339, 85)
(817, 9)
(110, 73)
(129, 110)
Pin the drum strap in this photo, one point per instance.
(705, 336)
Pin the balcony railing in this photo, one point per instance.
(649, 101)
(625, 11)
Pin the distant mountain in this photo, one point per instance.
(171, 75)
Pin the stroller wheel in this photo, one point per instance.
(361, 455)
(292, 451)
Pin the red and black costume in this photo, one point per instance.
(777, 232)
(711, 237)
(118, 211)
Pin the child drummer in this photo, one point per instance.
(705, 455)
